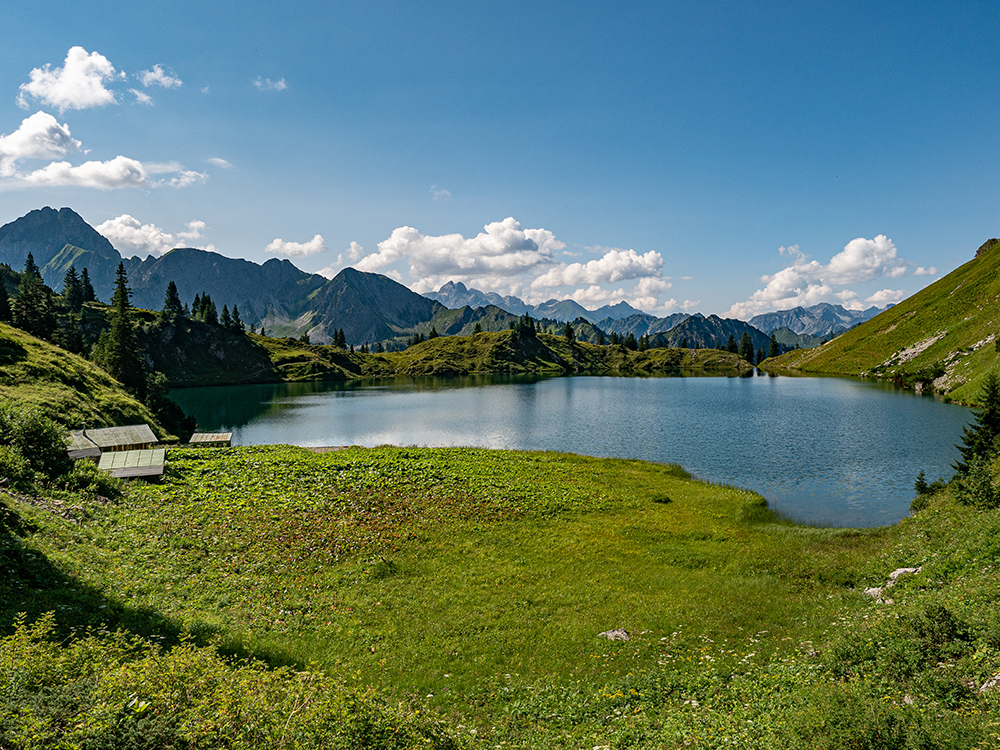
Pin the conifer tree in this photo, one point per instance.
(172, 307)
(478, 328)
(569, 333)
(732, 346)
(237, 322)
(433, 334)
(210, 315)
(761, 354)
(88, 288)
(31, 310)
(72, 293)
(979, 439)
(4, 301)
(772, 350)
(227, 322)
(600, 337)
(684, 342)
(117, 350)
(630, 343)
(746, 347)
(31, 268)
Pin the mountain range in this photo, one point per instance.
(369, 308)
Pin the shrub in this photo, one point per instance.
(13, 466)
(976, 487)
(40, 440)
(86, 477)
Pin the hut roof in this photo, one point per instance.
(211, 437)
(126, 464)
(113, 438)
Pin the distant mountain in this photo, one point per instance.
(455, 294)
(710, 332)
(57, 240)
(821, 320)
(641, 324)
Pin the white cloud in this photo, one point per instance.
(887, 297)
(807, 282)
(220, 163)
(79, 84)
(353, 253)
(39, 137)
(130, 236)
(297, 249)
(614, 266)
(440, 194)
(120, 172)
(488, 260)
(921, 271)
(266, 84)
(159, 77)
(186, 177)
(142, 97)
(690, 304)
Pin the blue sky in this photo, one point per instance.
(730, 158)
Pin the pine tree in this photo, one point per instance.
(772, 349)
(569, 333)
(72, 293)
(478, 328)
(118, 351)
(732, 346)
(172, 307)
(88, 288)
(761, 354)
(746, 347)
(684, 342)
(4, 301)
(71, 335)
(630, 343)
(600, 337)
(227, 322)
(644, 343)
(237, 323)
(211, 316)
(979, 439)
(433, 334)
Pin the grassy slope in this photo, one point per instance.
(956, 319)
(475, 582)
(67, 388)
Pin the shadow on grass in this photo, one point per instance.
(33, 584)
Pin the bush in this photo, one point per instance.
(86, 477)
(37, 438)
(976, 487)
(13, 466)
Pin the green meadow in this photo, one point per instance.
(454, 598)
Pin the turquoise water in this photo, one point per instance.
(823, 450)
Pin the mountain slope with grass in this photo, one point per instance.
(942, 338)
(64, 387)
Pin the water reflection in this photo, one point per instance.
(826, 450)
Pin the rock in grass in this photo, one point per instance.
(614, 635)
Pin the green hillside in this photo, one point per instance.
(66, 388)
(943, 337)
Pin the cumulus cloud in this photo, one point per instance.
(39, 137)
(120, 172)
(297, 249)
(921, 271)
(614, 266)
(159, 77)
(220, 163)
(440, 194)
(266, 84)
(131, 236)
(808, 282)
(78, 84)
(504, 251)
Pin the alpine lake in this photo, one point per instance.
(824, 451)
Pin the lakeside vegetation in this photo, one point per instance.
(453, 598)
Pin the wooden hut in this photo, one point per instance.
(92, 443)
(135, 463)
(212, 439)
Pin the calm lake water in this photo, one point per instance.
(824, 450)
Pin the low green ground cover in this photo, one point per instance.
(469, 586)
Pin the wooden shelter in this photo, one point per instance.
(212, 439)
(92, 443)
(129, 464)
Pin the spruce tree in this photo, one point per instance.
(433, 334)
(88, 288)
(746, 347)
(237, 322)
(72, 292)
(118, 351)
(569, 333)
(979, 439)
(31, 310)
(772, 350)
(478, 328)
(630, 343)
(684, 342)
(761, 354)
(210, 314)
(227, 322)
(31, 268)
(732, 346)
(4, 301)
(172, 307)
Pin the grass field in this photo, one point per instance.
(471, 585)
